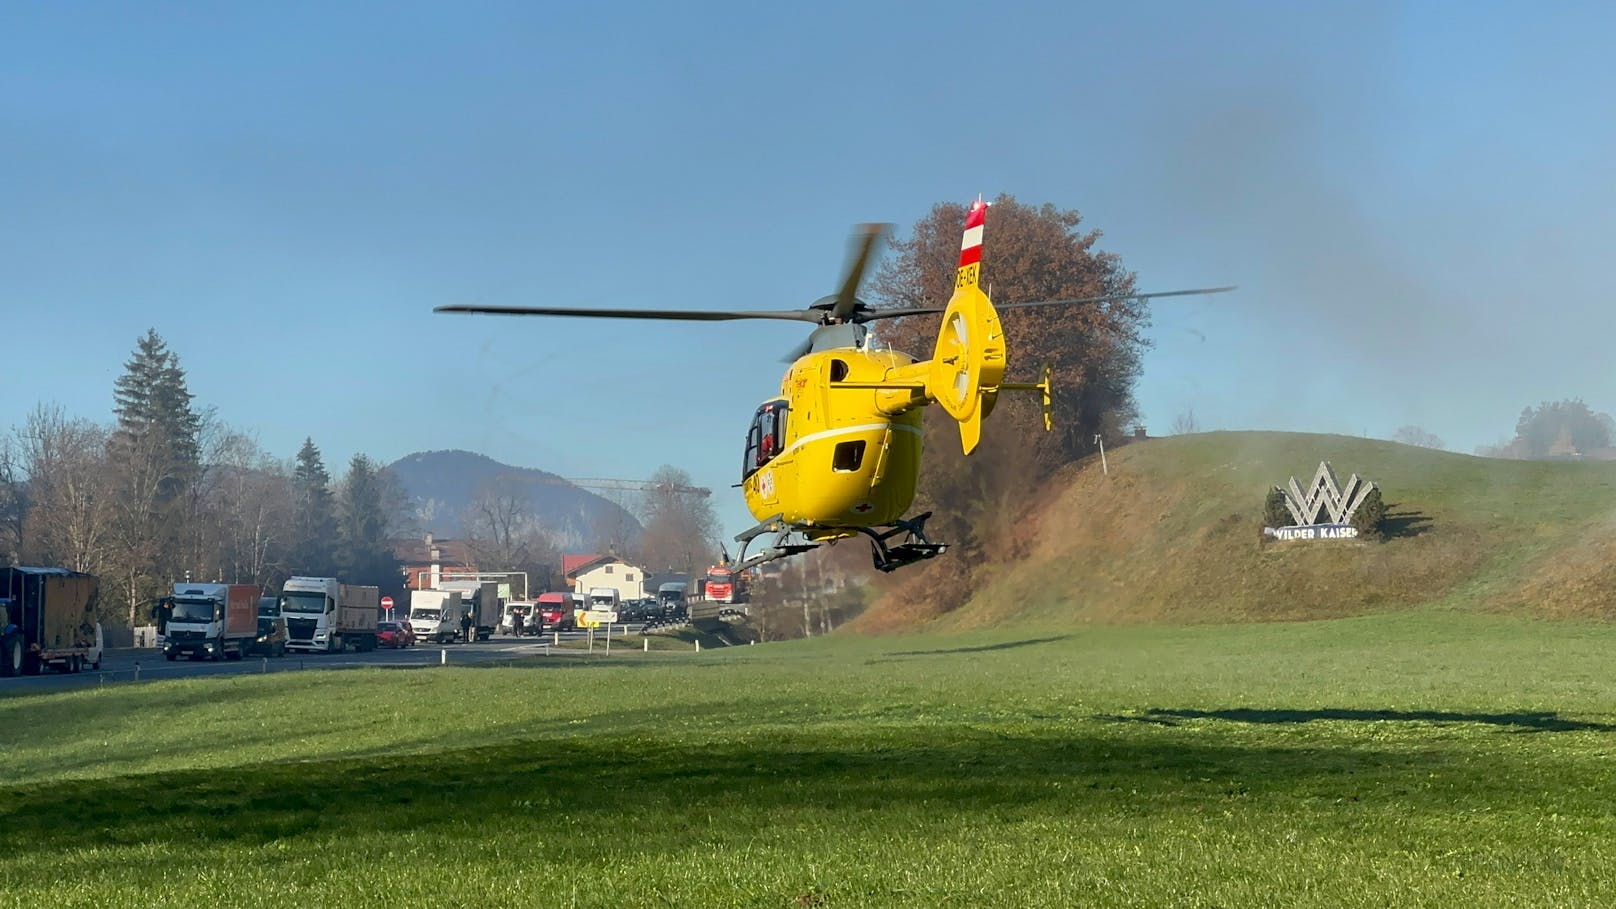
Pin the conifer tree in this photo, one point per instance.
(153, 453)
(364, 555)
(315, 530)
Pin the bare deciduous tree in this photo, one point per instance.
(680, 526)
(1185, 423)
(504, 532)
(13, 500)
(71, 498)
(1414, 435)
(254, 510)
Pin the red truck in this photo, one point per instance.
(556, 610)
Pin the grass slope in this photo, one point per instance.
(1432, 758)
(1173, 534)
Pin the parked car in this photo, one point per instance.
(394, 634)
(271, 639)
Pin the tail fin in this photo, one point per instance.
(969, 359)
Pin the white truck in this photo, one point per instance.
(435, 615)
(603, 601)
(527, 610)
(486, 610)
(211, 621)
(326, 615)
(482, 600)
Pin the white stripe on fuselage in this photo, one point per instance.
(846, 431)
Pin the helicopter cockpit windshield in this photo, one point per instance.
(766, 438)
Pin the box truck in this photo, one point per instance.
(212, 621)
(435, 615)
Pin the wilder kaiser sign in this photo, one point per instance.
(1313, 532)
(1324, 510)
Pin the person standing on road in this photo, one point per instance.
(516, 623)
(465, 626)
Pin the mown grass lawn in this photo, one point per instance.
(1442, 759)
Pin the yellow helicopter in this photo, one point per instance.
(837, 453)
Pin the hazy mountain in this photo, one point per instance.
(443, 485)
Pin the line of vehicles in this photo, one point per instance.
(47, 617)
(231, 621)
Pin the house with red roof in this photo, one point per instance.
(584, 572)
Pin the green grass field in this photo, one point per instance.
(1426, 758)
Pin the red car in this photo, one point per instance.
(395, 634)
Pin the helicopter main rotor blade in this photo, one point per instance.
(1105, 298)
(676, 315)
(865, 239)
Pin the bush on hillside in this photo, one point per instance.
(1369, 516)
(1274, 513)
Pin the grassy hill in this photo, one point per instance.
(1172, 533)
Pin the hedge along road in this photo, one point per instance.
(119, 665)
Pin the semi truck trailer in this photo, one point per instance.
(324, 615)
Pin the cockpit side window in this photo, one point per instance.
(767, 437)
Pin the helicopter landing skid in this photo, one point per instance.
(779, 549)
(914, 548)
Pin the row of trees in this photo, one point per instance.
(1553, 429)
(1556, 429)
(168, 492)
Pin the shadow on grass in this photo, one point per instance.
(1403, 523)
(593, 785)
(1529, 722)
(983, 648)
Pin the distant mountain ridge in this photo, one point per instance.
(443, 485)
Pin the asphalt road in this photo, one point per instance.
(128, 664)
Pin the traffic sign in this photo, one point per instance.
(387, 602)
(599, 617)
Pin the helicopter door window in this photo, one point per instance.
(766, 439)
(754, 440)
(848, 456)
(772, 422)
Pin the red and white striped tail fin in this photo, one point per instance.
(970, 263)
(969, 359)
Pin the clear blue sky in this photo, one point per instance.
(1418, 201)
